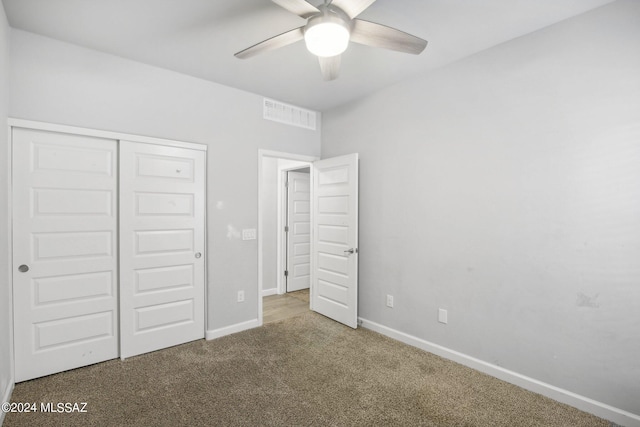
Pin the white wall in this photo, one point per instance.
(61, 83)
(6, 373)
(505, 188)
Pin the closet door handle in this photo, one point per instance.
(198, 254)
(23, 268)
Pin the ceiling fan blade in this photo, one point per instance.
(273, 43)
(353, 8)
(299, 7)
(378, 35)
(330, 67)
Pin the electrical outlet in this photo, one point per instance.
(240, 296)
(390, 301)
(442, 315)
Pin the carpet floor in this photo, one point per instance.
(303, 371)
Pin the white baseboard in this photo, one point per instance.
(6, 397)
(269, 292)
(586, 404)
(228, 330)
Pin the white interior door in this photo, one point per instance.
(334, 253)
(162, 239)
(298, 231)
(64, 251)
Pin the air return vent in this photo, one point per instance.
(289, 114)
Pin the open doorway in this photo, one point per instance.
(295, 214)
(283, 233)
(333, 249)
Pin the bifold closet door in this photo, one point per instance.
(162, 242)
(64, 251)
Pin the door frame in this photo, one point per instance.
(52, 127)
(262, 154)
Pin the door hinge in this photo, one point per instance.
(286, 184)
(286, 273)
(286, 228)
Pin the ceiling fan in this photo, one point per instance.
(329, 29)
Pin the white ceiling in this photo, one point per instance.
(199, 38)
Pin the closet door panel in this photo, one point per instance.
(162, 238)
(64, 251)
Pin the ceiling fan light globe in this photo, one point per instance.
(327, 39)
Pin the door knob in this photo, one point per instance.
(23, 268)
(351, 251)
(198, 254)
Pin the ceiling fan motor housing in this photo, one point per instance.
(327, 33)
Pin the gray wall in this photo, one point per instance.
(505, 188)
(5, 301)
(269, 223)
(61, 83)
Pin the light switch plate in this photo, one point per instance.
(249, 234)
(442, 315)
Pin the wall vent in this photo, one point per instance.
(289, 114)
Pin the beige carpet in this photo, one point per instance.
(303, 371)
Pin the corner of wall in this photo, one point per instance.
(6, 350)
(6, 397)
